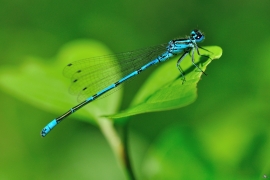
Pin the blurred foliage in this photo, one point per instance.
(223, 135)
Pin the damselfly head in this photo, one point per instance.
(197, 35)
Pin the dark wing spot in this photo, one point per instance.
(75, 80)
(79, 71)
(69, 64)
(84, 88)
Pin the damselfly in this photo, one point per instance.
(100, 78)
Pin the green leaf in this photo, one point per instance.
(40, 82)
(164, 89)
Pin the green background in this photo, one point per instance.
(223, 135)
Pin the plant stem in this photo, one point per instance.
(126, 151)
(119, 150)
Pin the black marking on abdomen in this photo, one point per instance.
(117, 83)
(95, 96)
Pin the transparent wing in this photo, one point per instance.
(91, 75)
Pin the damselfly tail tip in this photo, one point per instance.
(48, 128)
(43, 132)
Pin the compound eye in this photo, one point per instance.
(198, 36)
